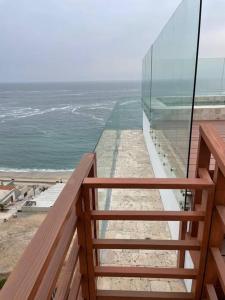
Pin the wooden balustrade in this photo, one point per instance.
(203, 184)
(62, 261)
(54, 263)
(211, 145)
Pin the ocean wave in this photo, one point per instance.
(91, 116)
(82, 109)
(29, 112)
(128, 102)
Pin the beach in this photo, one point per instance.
(36, 176)
(18, 228)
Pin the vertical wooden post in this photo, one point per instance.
(203, 236)
(82, 252)
(87, 197)
(181, 253)
(203, 161)
(94, 206)
(204, 155)
(217, 232)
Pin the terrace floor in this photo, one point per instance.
(131, 159)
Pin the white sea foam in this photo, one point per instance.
(128, 102)
(81, 109)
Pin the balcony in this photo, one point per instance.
(63, 259)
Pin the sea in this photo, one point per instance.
(49, 126)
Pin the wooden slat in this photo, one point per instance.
(24, 281)
(94, 206)
(210, 292)
(65, 280)
(148, 216)
(146, 272)
(51, 274)
(83, 250)
(80, 297)
(220, 266)
(204, 174)
(89, 234)
(75, 287)
(181, 253)
(216, 233)
(135, 295)
(204, 235)
(148, 183)
(146, 244)
(221, 212)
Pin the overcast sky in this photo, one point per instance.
(70, 40)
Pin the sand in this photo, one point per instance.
(15, 235)
(36, 176)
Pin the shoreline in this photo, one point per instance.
(35, 176)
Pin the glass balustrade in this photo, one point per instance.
(210, 84)
(171, 73)
(112, 150)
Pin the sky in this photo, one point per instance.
(84, 40)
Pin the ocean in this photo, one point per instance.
(49, 126)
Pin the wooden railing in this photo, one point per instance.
(54, 263)
(203, 217)
(62, 261)
(212, 146)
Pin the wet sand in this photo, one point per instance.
(36, 176)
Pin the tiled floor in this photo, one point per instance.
(132, 160)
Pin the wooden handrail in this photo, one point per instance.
(149, 183)
(215, 144)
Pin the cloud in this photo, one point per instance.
(212, 43)
(86, 39)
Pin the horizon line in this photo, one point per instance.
(71, 81)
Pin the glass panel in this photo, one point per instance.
(117, 146)
(125, 120)
(173, 76)
(210, 79)
(146, 82)
(209, 96)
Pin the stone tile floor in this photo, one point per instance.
(132, 160)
